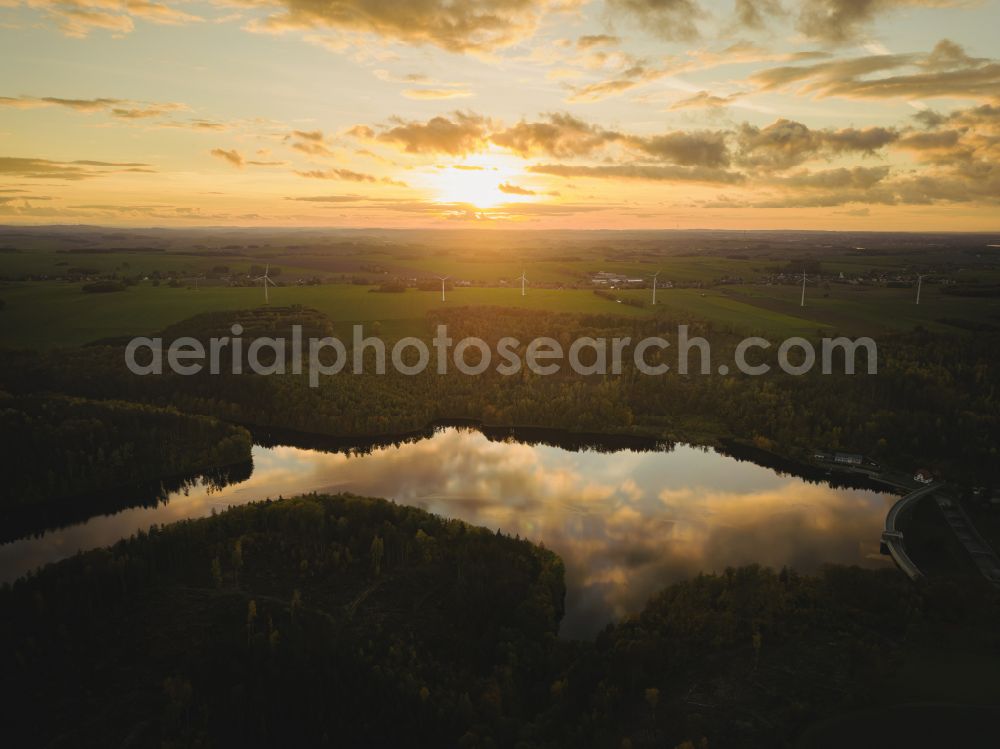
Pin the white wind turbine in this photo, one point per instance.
(524, 280)
(919, 282)
(442, 279)
(654, 286)
(265, 280)
(803, 302)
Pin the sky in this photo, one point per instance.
(535, 114)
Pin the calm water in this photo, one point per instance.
(625, 523)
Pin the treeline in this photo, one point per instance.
(61, 447)
(345, 621)
(933, 403)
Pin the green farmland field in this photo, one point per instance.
(51, 315)
(54, 314)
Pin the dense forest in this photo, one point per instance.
(318, 621)
(932, 404)
(65, 447)
(346, 621)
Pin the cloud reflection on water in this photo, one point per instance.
(625, 523)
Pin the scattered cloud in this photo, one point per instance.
(312, 143)
(348, 175)
(947, 71)
(458, 134)
(786, 143)
(436, 93)
(597, 40)
(233, 157)
(77, 18)
(753, 14)
(453, 25)
(122, 108)
(704, 100)
(510, 189)
(626, 80)
(685, 147)
(329, 198)
(65, 170)
(560, 135)
(837, 21)
(668, 173)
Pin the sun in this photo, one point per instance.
(483, 181)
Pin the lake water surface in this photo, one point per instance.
(626, 523)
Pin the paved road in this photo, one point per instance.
(892, 537)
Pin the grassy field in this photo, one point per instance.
(864, 309)
(53, 314)
(50, 315)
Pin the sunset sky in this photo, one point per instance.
(826, 114)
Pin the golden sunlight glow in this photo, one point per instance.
(484, 181)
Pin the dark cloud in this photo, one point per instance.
(752, 14)
(596, 40)
(837, 21)
(930, 141)
(686, 147)
(674, 20)
(454, 25)
(785, 143)
(457, 135)
(561, 136)
(566, 136)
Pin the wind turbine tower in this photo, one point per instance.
(524, 280)
(803, 302)
(265, 281)
(920, 280)
(442, 279)
(654, 286)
